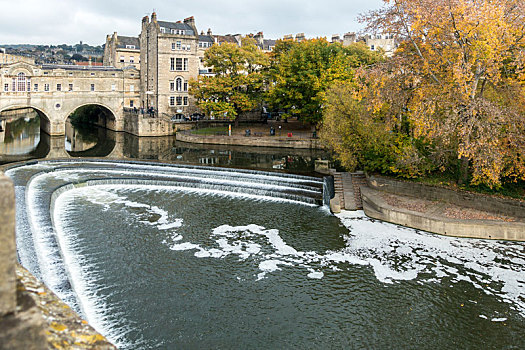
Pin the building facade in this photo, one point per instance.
(169, 58)
(122, 51)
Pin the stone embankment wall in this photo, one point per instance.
(32, 317)
(504, 206)
(255, 141)
(143, 125)
(511, 226)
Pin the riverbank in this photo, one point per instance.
(436, 209)
(292, 134)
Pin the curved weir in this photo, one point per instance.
(171, 256)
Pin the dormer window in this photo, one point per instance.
(162, 30)
(130, 46)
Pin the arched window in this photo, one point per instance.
(178, 84)
(21, 82)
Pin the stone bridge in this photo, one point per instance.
(56, 91)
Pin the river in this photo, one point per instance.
(192, 256)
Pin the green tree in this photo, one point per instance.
(238, 83)
(300, 74)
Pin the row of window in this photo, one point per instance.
(205, 44)
(178, 101)
(23, 87)
(178, 45)
(131, 59)
(172, 31)
(178, 64)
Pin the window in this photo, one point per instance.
(13, 87)
(131, 103)
(92, 87)
(172, 86)
(179, 45)
(162, 30)
(113, 87)
(178, 64)
(179, 100)
(92, 74)
(121, 59)
(132, 88)
(6, 87)
(178, 84)
(185, 64)
(131, 59)
(21, 78)
(185, 86)
(372, 47)
(173, 46)
(130, 46)
(188, 47)
(35, 87)
(59, 87)
(46, 87)
(185, 100)
(70, 87)
(172, 63)
(172, 101)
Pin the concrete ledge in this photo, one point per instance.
(376, 208)
(270, 141)
(505, 206)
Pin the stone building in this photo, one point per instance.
(374, 42)
(169, 58)
(122, 51)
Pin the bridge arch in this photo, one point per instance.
(108, 119)
(45, 121)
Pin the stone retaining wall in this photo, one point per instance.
(491, 204)
(251, 141)
(375, 207)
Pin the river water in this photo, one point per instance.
(182, 256)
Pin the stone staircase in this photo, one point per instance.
(347, 189)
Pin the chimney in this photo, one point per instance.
(259, 38)
(154, 17)
(191, 22)
(209, 32)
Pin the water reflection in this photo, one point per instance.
(19, 134)
(21, 139)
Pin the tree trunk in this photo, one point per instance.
(463, 170)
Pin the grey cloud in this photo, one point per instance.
(69, 21)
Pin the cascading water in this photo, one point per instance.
(164, 256)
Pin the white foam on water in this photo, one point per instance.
(501, 319)
(397, 253)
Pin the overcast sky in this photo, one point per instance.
(69, 21)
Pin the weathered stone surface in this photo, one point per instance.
(7, 247)
(63, 328)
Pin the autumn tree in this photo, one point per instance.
(454, 91)
(238, 82)
(301, 72)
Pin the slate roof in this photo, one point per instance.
(206, 39)
(122, 41)
(177, 25)
(267, 43)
